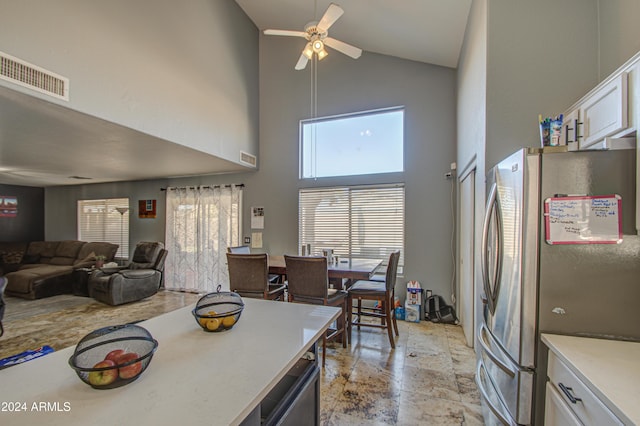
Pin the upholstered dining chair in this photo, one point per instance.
(248, 276)
(308, 280)
(376, 290)
(273, 278)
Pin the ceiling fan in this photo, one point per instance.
(316, 34)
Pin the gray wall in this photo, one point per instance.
(185, 72)
(541, 57)
(28, 225)
(619, 33)
(344, 85)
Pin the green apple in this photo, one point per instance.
(103, 377)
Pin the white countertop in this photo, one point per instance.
(610, 368)
(195, 376)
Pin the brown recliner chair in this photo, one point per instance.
(140, 279)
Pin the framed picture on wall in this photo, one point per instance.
(8, 206)
(147, 209)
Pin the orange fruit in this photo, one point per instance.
(213, 324)
(229, 321)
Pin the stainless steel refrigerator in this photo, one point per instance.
(537, 280)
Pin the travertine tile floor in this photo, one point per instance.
(426, 380)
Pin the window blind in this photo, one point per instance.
(98, 220)
(356, 222)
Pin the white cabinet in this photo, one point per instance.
(597, 381)
(556, 411)
(604, 112)
(576, 396)
(571, 122)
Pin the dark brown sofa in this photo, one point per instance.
(47, 267)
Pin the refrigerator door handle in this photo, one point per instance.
(483, 338)
(483, 392)
(491, 294)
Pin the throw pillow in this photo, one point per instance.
(87, 262)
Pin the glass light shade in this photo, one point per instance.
(308, 51)
(318, 46)
(322, 54)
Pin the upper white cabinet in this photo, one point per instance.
(604, 113)
(609, 110)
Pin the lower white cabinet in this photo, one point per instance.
(572, 399)
(556, 411)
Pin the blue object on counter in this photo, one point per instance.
(25, 356)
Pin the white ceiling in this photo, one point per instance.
(43, 144)
(428, 31)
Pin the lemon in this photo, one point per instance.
(212, 313)
(213, 324)
(203, 321)
(229, 321)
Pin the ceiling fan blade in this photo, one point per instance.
(302, 62)
(285, 33)
(330, 16)
(343, 47)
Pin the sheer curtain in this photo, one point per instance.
(201, 223)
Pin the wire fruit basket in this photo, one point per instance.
(218, 311)
(113, 356)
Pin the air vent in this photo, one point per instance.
(249, 159)
(33, 77)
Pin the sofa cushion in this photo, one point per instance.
(145, 255)
(138, 273)
(21, 281)
(12, 257)
(87, 262)
(69, 248)
(45, 249)
(28, 259)
(107, 250)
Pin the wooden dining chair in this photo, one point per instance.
(273, 278)
(308, 282)
(377, 291)
(249, 277)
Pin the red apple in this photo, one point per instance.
(114, 354)
(132, 370)
(103, 377)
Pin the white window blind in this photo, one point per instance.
(99, 220)
(356, 222)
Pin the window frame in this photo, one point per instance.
(301, 142)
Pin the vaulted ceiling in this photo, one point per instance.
(43, 144)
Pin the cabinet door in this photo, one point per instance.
(556, 411)
(571, 122)
(604, 112)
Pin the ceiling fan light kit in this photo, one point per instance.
(317, 38)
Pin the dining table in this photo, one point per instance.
(342, 273)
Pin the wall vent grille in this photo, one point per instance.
(249, 159)
(33, 77)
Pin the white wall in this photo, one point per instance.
(182, 71)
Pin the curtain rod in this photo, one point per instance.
(238, 185)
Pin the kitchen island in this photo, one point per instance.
(195, 376)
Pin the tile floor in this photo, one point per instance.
(427, 379)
